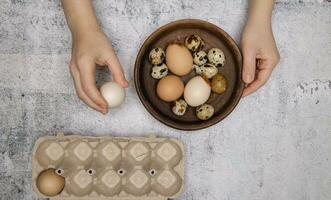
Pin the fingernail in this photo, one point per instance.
(104, 111)
(248, 78)
(126, 83)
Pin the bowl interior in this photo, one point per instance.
(213, 37)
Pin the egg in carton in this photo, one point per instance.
(118, 168)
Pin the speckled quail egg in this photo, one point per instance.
(200, 58)
(205, 111)
(156, 56)
(218, 83)
(194, 43)
(197, 69)
(159, 71)
(216, 57)
(179, 107)
(208, 70)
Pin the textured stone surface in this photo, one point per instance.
(275, 145)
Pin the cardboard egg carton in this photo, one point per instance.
(118, 168)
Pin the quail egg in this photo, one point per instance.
(205, 111)
(216, 57)
(159, 71)
(218, 84)
(194, 43)
(179, 107)
(208, 70)
(197, 69)
(200, 58)
(156, 56)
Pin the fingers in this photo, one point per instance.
(262, 77)
(249, 66)
(79, 89)
(265, 66)
(116, 69)
(86, 69)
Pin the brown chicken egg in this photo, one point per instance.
(170, 88)
(49, 183)
(179, 59)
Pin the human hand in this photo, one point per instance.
(260, 55)
(89, 49)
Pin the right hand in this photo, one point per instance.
(88, 50)
(260, 55)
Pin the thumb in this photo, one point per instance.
(249, 66)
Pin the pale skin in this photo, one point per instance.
(91, 47)
(258, 46)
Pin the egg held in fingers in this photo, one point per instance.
(113, 93)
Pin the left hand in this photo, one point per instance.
(260, 55)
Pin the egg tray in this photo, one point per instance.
(119, 168)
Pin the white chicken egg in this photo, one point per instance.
(197, 91)
(113, 93)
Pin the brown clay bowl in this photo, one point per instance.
(213, 37)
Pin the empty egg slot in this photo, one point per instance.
(137, 154)
(108, 153)
(138, 182)
(50, 153)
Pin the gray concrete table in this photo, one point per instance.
(276, 145)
